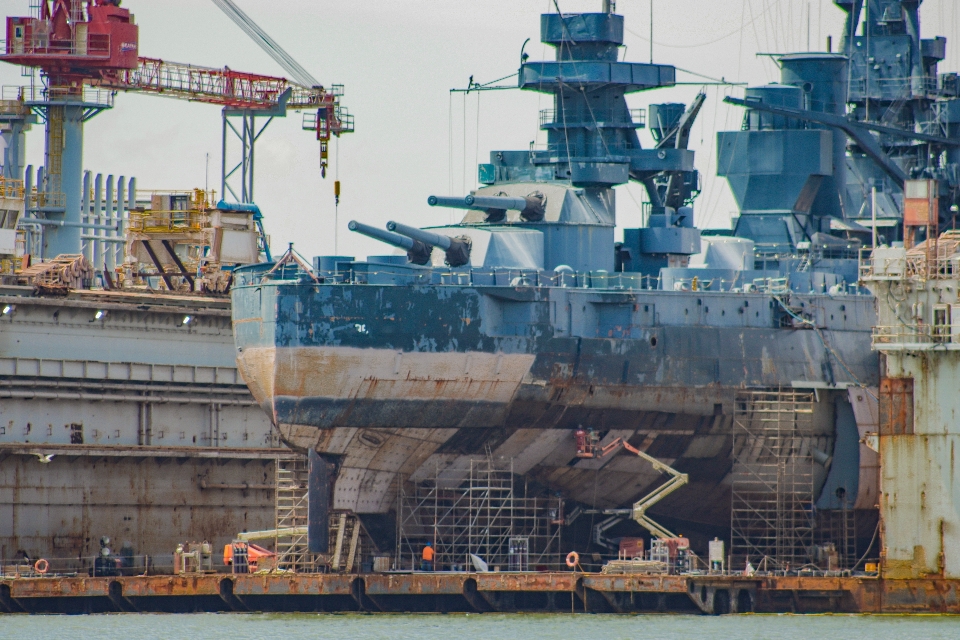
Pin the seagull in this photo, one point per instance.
(45, 458)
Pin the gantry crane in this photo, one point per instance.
(87, 50)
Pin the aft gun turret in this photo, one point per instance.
(531, 207)
(457, 249)
(417, 252)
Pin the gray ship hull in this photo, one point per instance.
(398, 381)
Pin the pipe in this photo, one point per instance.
(48, 395)
(240, 487)
(97, 210)
(108, 215)
(142, 388)
(85, 215)
(66, 223)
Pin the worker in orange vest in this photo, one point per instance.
(427, 564)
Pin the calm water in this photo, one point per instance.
(482, 627)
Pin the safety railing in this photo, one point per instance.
(114, 565)
(167, 221)
(553, 117)
(45, 200)
(343, 122)
(95, 45)
(40, 93)
(913, 335)
(898, 264)
(11, 188)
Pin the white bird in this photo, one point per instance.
(45, 458)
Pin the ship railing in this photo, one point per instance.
(902, 87)
(151, 221)
(362, 273)
(559, 149)
(548, 117)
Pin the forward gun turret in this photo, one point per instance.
(417, 252)
(531, 207)
(457, 249)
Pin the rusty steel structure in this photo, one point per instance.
(917, 434)
(119, 419)
(570, 592)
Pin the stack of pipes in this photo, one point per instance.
(107, 213)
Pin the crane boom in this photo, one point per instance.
(224, 87)
(268, 44)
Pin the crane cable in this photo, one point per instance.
(268, 44)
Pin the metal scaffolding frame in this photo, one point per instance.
(772, 515)
(291, 515)
(837, 528)
(475, 509)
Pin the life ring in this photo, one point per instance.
(41, 566)
(573, 559)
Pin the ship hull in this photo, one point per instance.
(397, 382)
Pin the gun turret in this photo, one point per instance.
(531, 207)
(417, 252)
(457, 249)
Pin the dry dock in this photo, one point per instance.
(479, 593)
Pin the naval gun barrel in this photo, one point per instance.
(417, 252)
(397, 240)
(530, 207)
(457, 249)
(426, 237)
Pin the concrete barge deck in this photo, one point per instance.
(479, 593)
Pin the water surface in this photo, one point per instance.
(482, 627)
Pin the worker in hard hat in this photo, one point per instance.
(427, 557)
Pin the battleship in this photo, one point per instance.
(505, 333)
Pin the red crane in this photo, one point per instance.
(96, 43)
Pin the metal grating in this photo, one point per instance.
(772, 479)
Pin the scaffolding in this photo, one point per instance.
(475, 509)
(772, 515)
(836, 537)
(291, 515)
(349, 543)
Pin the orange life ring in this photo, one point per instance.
(573, 559)
(41, 566)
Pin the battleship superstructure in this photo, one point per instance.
(507, 331)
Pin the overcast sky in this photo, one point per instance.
(398, 60)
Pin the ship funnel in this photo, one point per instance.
(417, 252)
(531, 207)
(457, 249)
